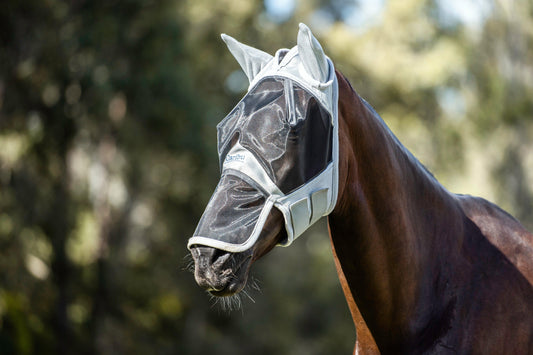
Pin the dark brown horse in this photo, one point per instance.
(423, 270)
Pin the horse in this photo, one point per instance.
(423, 270)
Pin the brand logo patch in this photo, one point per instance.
(234, 158)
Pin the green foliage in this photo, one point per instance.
(107, 134)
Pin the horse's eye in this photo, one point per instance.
(255, 203)
(245, 188)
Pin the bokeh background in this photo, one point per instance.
(108, 111)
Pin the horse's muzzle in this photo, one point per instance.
(219, 272)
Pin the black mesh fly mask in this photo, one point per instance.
(277, 148)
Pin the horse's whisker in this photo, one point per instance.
(188, 263)
(248, 295)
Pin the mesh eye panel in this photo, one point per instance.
(292, 153)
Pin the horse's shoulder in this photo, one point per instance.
(502, 230)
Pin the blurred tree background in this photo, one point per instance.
(107, 157)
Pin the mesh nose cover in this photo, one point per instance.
(232, 214)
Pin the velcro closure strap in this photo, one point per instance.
(300, 215)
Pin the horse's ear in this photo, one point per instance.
(312, 55)
(252, 60)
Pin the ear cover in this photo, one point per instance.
(251, 59)
(312, 55)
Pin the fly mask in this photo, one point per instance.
(277, 148)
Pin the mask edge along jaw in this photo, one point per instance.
(237, 248)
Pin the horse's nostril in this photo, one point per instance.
(219, 258)
(220, 261)
(209, 263)
(216, 271)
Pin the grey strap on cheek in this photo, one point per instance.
(303, 207)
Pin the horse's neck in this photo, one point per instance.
(388, 210)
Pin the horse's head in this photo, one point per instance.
(278, 159)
